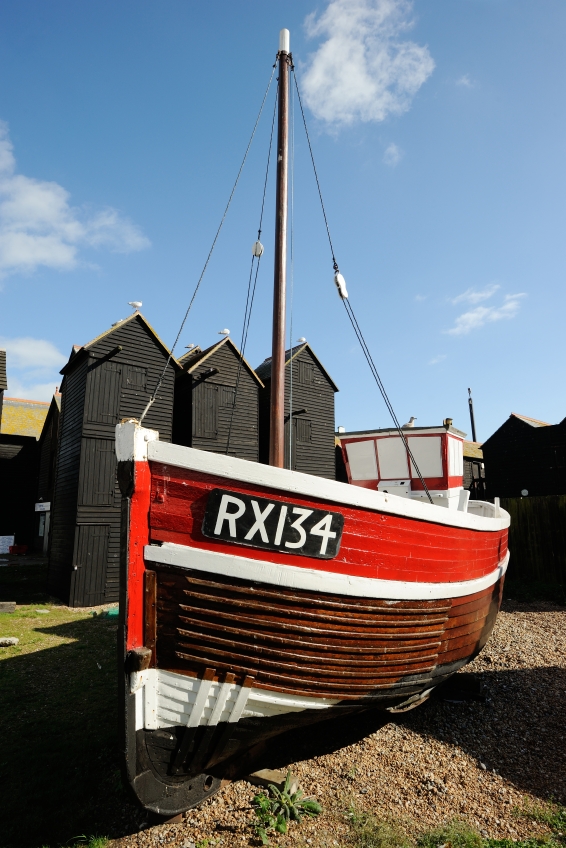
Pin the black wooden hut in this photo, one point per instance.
(205, 415)
(309, 401)
(474, 473)
(20, 428)
(110, 378)
(3, 380)
(526, 455)
(48, 442)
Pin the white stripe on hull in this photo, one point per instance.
(166, 699)
(294, 577)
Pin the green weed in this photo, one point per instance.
(275, 810)
(368, 832)
(456, 834)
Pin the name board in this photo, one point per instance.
(43, 507)
(273, 525)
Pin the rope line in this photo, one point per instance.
(169, 358)
(250, 301)
(334, 263)
(292, 275)
(351, 315)
(381, 387)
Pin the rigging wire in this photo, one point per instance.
(183, 322)
(351, 315)
(250, 300)
(292, 275)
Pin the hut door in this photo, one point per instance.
(205, 411)
(103, 393)
(90, 559)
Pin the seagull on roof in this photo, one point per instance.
(410, 423)
(135, 304)
(224, 332)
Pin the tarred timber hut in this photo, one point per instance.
(106, 380)
(526, 455)
(309, 390)
(48, 442)
(205, 415)
(22, 420)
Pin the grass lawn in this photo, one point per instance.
(59, 754)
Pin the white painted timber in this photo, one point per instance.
(132, 441)
(294, 482)
(173, 700)
(309, 579)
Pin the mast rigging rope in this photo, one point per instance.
(248, 312)
(351, 315)
(183, 322)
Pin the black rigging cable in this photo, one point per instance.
(351, 315)
(159, 382)
(250, 301)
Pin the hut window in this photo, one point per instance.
(306, 373)
(205, 411)
(136, 377)
(304, 430)
(226, 396)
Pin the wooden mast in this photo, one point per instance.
(277, 411)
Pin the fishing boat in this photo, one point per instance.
(257, 599)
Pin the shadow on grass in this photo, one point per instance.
(59, 758)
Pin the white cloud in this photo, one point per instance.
(392, 155)
(363, 71)
(26, 352)
(476, 318)
(440, 358)
(465, 81)
(33, 366)
(39, 227)
(420, 297)
(31, 391)
(474, 296)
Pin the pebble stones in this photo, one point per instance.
(477, 761)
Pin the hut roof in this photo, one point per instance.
(472, 450)
(191, 360)
(77, 349)
(264, 370)
(534, 422)
(22, 417)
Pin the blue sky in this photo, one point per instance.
(439, 132)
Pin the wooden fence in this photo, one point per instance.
(537, 538)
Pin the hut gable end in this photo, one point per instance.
(209, 414)
(110, 378)
(309, 413)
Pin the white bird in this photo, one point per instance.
(410, 423)
(136, 304)
(224, 332)
(302, 339)
(190, 346)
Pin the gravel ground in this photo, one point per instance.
(480, 761)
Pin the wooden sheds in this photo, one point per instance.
(110, 378)
(474, 473)
(48, 442)
(526, 455)
(20, 429)
(206, 416)
(309, 401)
